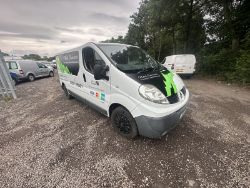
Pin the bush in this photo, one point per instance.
(242, 69)
(221, 64)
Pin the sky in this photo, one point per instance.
(47, 27)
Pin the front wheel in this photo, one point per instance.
(66, 92)
(124, 123)
(14, 82)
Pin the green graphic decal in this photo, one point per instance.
(62, 67)
(169, 83)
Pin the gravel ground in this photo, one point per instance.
(49, 141)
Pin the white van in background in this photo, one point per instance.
(183, 64)
(123, 82)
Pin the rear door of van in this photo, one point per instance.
(68, 66)
(184, 64)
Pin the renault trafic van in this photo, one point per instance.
(123, 82)
(183, 64)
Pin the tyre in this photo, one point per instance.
(51, 74)
(14, 81)
(31, 77)
(124, 123)
(66, 92)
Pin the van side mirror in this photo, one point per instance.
(100, 71)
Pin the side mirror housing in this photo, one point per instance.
(100, 72)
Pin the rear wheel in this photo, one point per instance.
(124, 123)
(31, 77)
(51, 74)
(14, 81)
(66, 92)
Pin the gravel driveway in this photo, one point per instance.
(49, 141)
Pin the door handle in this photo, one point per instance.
(84, 77)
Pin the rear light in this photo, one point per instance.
(21, 71)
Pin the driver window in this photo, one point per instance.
(90, 58)
(40, 65)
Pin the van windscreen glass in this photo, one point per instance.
(129, 58)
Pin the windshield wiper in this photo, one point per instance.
(157, 67)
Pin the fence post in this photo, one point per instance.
(7, 78)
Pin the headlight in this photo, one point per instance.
(152, 94)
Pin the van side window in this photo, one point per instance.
(98, 59)
(12, 65)
(90, 58)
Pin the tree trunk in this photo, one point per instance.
(159, 52)
(173, 36)
(235, 44)
(228, 8)
(189, 22)
(174, 41)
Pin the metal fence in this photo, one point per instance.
(7, 88)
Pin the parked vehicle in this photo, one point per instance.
(29, 70)
(53, 64)
(48, 64)
(124, 83)
(181, 64)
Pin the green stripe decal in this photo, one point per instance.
(62, 67)
(169, 83)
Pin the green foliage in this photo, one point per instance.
(221, 64)
(242, 68)
(37, 57)
(33, 57)
(119, 39)
(216, 31)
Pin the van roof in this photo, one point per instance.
(180, 55)
(96, 44)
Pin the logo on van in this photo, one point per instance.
(102, 96)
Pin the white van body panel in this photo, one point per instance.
(122, 89)
(180, 64)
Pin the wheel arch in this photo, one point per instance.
(120, 100)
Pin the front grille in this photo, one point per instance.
(173, 99)
(183, 90)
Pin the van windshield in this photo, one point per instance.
(129, 59)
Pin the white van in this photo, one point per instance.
(181, 64)
(29, 70)
(123, 82)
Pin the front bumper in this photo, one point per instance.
(156, 127)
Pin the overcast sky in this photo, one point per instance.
(50, 26)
